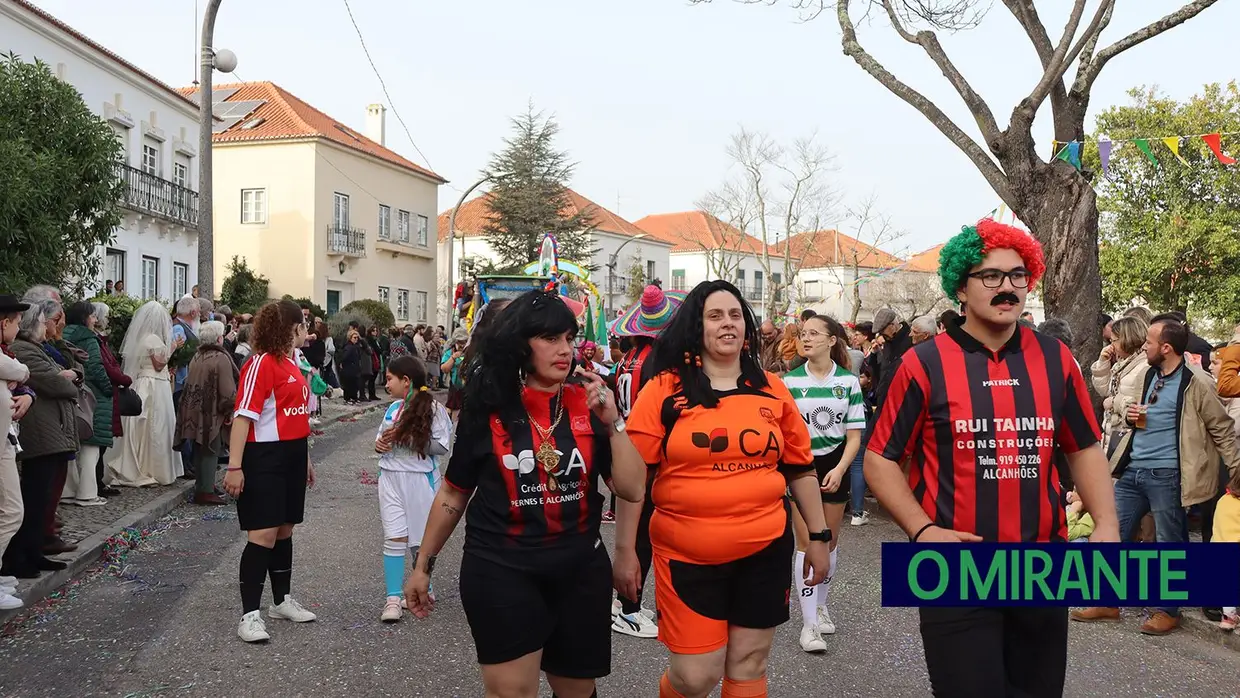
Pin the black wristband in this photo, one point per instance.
(913, 538)
(430, 564)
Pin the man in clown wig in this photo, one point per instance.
(982, 410)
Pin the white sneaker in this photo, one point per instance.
(861, 519)
(634, 625)
(8, 601)
(315, 421)
(290, 610)
(392, 610)
(615, 608)
(8, 581)
(826, 626)
(811, 641)
(654, 618)
(96, 502)
(252, 628)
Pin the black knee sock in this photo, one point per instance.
(280, 568)
(254, 562)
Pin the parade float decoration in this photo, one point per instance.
(567, 278)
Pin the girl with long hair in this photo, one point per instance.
(415, 429)
(143, 456)
(829, 398)
(269, 465)
(728, 442)
(535, 579)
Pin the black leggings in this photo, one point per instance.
(644, 554)
(370, 384)
(1018, 652)
(350, 384)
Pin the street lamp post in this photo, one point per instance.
(611, 271)
(226, 62)
(452, 317)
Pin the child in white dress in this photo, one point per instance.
(415, 429)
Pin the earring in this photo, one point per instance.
(697, 360)
(745, 346)
(687, 358)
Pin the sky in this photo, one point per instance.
(648, 92)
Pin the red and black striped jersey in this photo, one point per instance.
(630, 378)
(983, 429)
(521, 515)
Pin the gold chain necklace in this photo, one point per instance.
(546, 455)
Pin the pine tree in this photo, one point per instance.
(529, 196)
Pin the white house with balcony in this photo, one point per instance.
(155, 249)
(323, 210)
(618, 247)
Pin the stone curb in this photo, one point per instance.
(1192, 621)
(90, 549)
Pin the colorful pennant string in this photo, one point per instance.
(1071, 151)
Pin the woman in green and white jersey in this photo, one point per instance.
(829, 397)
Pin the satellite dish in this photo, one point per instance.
(225, 61)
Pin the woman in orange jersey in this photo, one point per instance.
(726, 442)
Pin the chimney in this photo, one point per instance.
(376, 123)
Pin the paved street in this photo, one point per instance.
(161, 622)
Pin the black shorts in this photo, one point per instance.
(824, 465)
(697, 603)
(275, 484)
(1012, 651)
(565, 612)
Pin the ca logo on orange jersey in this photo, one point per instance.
(716, 441)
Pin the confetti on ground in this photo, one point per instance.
(116, 550)
(367, 479)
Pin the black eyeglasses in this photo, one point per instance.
(993, 278)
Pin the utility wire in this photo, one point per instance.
(383, 85)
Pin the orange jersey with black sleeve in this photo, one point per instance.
(719, 479)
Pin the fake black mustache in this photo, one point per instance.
(1005, 297)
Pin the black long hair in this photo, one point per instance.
(494, 385)
(683, 335)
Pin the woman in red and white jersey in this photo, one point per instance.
(269, 464)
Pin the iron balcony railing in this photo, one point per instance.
(147, 193)
(346, 241)
(755, 293)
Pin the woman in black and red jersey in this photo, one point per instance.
(530, 449)
(269, 465)
(728, 442)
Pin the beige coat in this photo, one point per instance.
(1128, 379)
(1206, 433)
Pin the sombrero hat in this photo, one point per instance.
(650, 315)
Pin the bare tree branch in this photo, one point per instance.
(988, 167)
(1086, 76)
(930, 44)
(1059, 59)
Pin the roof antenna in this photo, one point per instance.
(198, 48)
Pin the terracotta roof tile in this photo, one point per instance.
(99, 47)
(827, 248)
(925, 261)
(696, 231)
(475, 214)
(284, 115)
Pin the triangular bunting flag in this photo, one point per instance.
(1071, 154)
(1214, 141)
(1104, 154)
(1144, 145)
(1173, 144)
(589, 328)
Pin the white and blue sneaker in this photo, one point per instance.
(640, 624)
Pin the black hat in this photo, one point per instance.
(11, 304)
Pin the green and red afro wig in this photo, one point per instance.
(972, 243)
